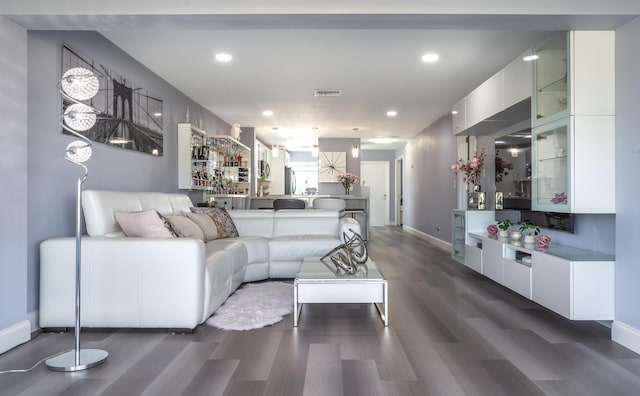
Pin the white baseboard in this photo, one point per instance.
(446, 246)
(34, 318)
(15, 335)
(625, 335)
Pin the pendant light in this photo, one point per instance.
(314, 149)
(275, 151)
(355, 150)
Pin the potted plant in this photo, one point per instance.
(504, 228)
(529, 231)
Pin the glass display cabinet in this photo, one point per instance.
(551, 187)
(551, 79)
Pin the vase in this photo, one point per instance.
(515, 235)
(347, 190)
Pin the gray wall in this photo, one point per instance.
(429, 195)
(390, 157)
(13, 174)
(627, 179)
(52, 180)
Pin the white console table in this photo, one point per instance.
(575, 283)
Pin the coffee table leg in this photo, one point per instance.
(385, 302)
(296, 308)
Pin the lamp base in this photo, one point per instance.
(67, 361)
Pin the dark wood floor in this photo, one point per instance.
(452, 332)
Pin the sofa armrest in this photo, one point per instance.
(347, 225)
(126, 282)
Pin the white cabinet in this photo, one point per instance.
(458, 115)
(573, 167)
(492, 255)
(575, 283)
(573, 114)
(485, 101)
(465, 222)
(215, 164)
(494, 101)
(579, 290)
(574, 75)
(517, 270)
(195, 160)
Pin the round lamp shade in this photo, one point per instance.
(80, 83)
(78, 151)
(80, 117)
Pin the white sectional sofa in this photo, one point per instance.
(172, 283)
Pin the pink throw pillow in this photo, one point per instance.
(146, 224)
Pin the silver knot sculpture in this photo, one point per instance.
(349, 256)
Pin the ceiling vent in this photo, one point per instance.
(327, 92)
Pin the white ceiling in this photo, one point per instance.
(279, 59)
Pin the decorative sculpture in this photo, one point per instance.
(350, 256)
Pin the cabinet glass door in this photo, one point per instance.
(458, 237)
(551, 79)
(551, 186)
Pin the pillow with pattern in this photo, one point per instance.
(224, 222)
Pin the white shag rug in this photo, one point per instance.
(253, 306)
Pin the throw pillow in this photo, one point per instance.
(146, 224)
(184, 227)
(224, 222)
(206, 223)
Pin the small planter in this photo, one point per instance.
(529, 239)
(503, 234)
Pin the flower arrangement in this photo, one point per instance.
(348, 179)
(502, 168)
(472, 169)
(492, 229)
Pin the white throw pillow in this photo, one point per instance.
(146, 224)
(206, 223)
(184, 227)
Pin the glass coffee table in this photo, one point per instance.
(316, 283)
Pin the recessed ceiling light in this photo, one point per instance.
(530, 58)
(430, 58)
(267, 113)
(157, 114)
(222, 57)
(392, 113)
(454, 112)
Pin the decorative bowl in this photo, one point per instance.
(515, 235)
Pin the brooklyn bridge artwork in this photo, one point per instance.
(129, 117)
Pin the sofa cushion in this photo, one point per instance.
(184, 227)
(253, 222)
(206, 223)
(146, 224)
(224, 222)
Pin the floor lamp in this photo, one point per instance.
(78, 84)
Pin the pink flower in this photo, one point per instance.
(492, 229)
(543, 241)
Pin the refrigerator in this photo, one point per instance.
(289, 181)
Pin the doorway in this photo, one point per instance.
(375, 175)
(399, 209)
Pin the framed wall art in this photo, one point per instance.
(129, 116)
(330, 165)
